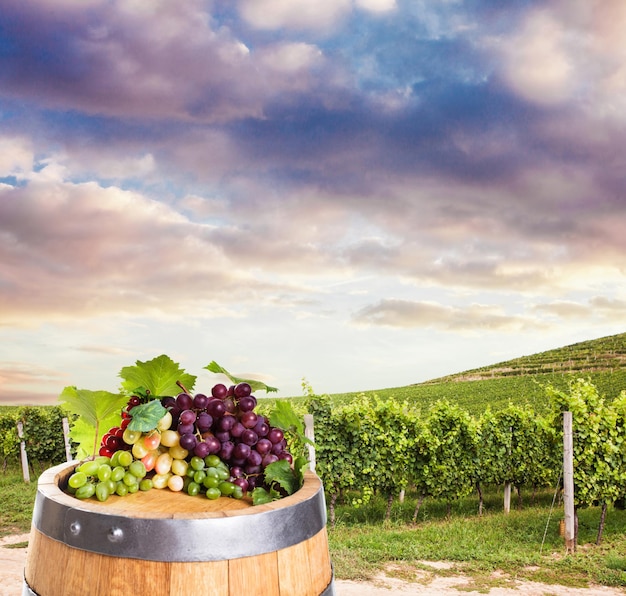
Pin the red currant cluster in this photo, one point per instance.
(112, 440)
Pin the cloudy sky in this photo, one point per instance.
(361, 193)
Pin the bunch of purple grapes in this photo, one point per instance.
(225, 424)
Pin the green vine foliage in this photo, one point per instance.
(454, 452)
(42, 435)
(597, 441)
(515, 446)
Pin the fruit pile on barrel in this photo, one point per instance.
(210, 445)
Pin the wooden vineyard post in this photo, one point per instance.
(23, 456)
(568, 484)
(309, 434)
(507, 485)
(507, 497)
(66, 440)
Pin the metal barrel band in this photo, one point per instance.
(180, 539)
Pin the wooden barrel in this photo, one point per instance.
(160, 542)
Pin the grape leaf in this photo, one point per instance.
(159, 376)
(280, 472)
(96, 411)
(260, 496)
(146, 416)
(284, 416)
(214, 367)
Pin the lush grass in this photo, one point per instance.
(362, 544)
(17, 498)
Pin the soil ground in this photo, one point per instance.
(13, 559)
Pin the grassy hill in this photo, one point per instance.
(522, 380)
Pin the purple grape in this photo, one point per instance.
(168, 402)
(230, 405)
(243, 483)
(241, 451)
(204, 421)
(249, 437)
(242, 390)
(188, 441)
(286, 455)
(255, 458)
(226, 451)
(226, 423)
(261, 428)
(251, 470)
(184, 401)
(220, 391)
(187, 417)
(236, 430)
(212, 443)
(246, 404)
(200, 401)
(237, 462)
(276, 435)
(216, 408)
(252, 480)
(279, 447)
(222, 436)
(263, 446)
(236, 471)
(248, 419)
(185, 429)
(270, 458)
(201, 449)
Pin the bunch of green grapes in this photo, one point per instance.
(104, 476)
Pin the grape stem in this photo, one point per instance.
(182, 386)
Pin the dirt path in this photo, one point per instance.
(13, 560)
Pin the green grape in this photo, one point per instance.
(237, 493)
(137, 469)
(212, 472)
(77, 479)
(211, 482)
(145, 484)
(125, 458)
(102, 491)
(223, 473)
(190, 472)
(212, 461)
(193, 489)
(117, 473)
(102, 459)
(227, 488)
(199, 476)
(111, 485)
(104, 472)
(197, 463)
(130, 479)
(85, 491)
(213, 493)
(121, 489)
(90, 468)
(133, 488)
(115, 459)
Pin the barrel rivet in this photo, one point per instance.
(116, 535)
(75, 528)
